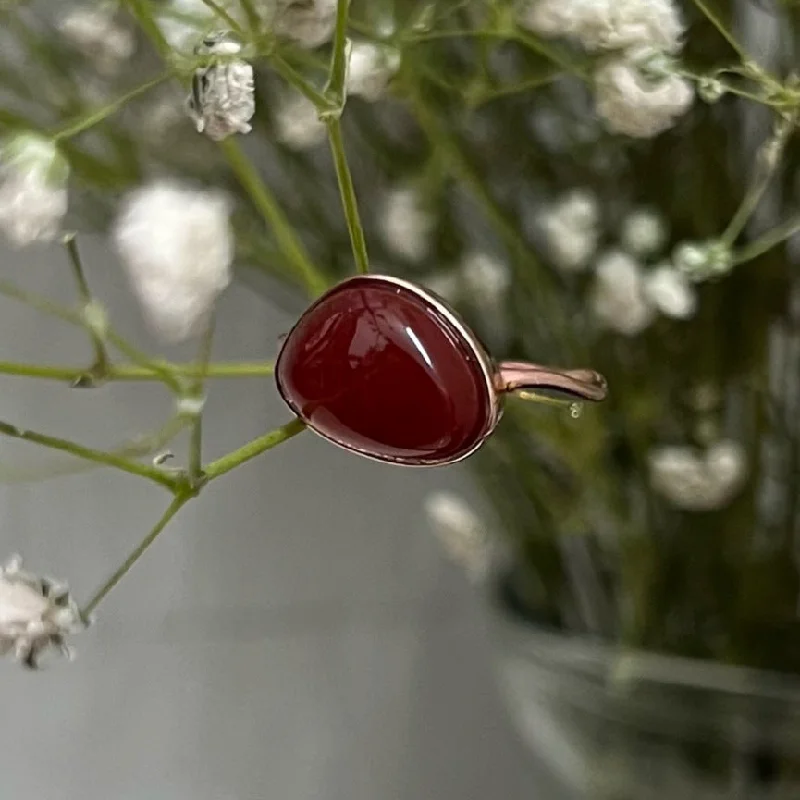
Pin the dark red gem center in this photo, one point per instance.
(377, 367)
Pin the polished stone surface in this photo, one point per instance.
(376, 367)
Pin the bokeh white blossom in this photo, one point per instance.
(98, 33)
(571, 231)
(697, 480)
(370, 69)
(33, 189)
(618, 297)
(461, 532)
(643, 233)
(297, 122)
(670, 292)
(176, 245)
(406, 225)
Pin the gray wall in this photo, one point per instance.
(294, 635)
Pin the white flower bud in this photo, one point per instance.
(643, 232)
(222, 101)
(308, 23)
(177, 246)
(571, 230)
(699, 481)
(670, 292)
(35, 614)
(633, 103)
(97, 33)
(297, 123)
(710, 90)
(618, 298)
(406, 226)
(700, 261)
(33, 189)
(370, 68)
(461, 533)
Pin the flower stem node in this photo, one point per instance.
(190, 405)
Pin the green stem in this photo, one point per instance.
(766, 242)
(83, 123)
(225, 16)
(135, 372)
(177, 503)
(347, 192)
(702, 5)
(196, 440)
(140, 447)
(252, 449)
(90, 454)
(767, 160)
(143, 14)
(101, 361)
(295, 79)
(157, 368)
(262, 198)
(335, 89)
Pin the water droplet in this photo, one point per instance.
(575, 410)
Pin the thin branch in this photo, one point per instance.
(347, 192)
(253, 449)
(101, 361)
(89, 120)
(178, 502)
(90, 454)
(135, 372)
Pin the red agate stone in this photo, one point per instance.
(381, 367)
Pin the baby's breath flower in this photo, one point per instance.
(222, 101)
(308, 23)
(699, 481)
(33, 189)
(297, 123)
(570, 228)
(643, 232)
(632, 100)
(406, 225)
(618, 298)
(700, 261)
(670, 292)
(486, 278)
(35, 614)
(369, 70)
(461, 533)
(176, 245)
(607, 24)
(98, 34)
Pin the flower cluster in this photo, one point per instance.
(638, 90)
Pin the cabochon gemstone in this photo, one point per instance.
(377, 367)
